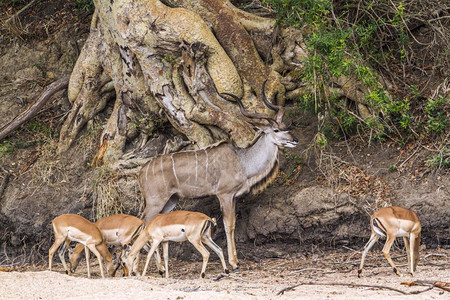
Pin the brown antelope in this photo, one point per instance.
(117, 230)
(392, 222)
(223, 170)
(75, 228)
(177, 226)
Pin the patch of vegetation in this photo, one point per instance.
(83, 5)
(12, 2)
(107, 194)
(436, 111)
(6, 148)
(360, 40)
(292, 174)
(441, 160)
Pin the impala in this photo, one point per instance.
(177, 226)
(117, 230)
(392, 222)
(75, 228)
(223, 170)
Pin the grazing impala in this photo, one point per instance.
(393, 222)
(222, 170)
(75, 228)
(117, 230)
(177, 226)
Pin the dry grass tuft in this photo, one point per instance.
(108, 194)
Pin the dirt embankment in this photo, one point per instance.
(319, 202)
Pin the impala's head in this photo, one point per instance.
(277, 131)
(128, 262)
(75, 257)
(117, 263)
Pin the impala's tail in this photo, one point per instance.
(207, 226)
(378, 227)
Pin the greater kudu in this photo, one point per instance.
(223, 170)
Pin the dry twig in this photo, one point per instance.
(353, 285)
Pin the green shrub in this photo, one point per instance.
(6, 148)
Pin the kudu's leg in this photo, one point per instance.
(154, 206)
(373, 239)
(228, 206)
(58, 241)
(386, 249)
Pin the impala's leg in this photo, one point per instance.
(61, 255)
(157, 258)
(158, 261)
(165, 246)
(408, 252)
(149, 255)
(205, 253)
(58, 241)
(211, 244)
(373, 239)
(415, 248)
(228, 206)
(94, 250)
(387, 247)
(88, 260)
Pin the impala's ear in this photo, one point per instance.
(70, 250)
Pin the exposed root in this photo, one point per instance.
(34, 107)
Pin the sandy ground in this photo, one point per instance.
(316, 276)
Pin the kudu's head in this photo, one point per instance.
(277, 131)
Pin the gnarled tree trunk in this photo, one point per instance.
(171, 61)
(147, 55)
